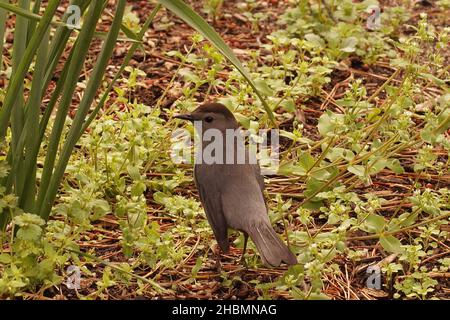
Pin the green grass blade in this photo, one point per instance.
(80, 51)
(186, 13)
(30, 15)
(33, 23)
(19, 10)
(59, 41)
(3, 16)
(18, 77)
(17, 116)
(31, 156)
(31, 129)
(92, 86)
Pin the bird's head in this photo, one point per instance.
(212, 115)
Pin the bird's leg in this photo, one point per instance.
(245, 249)
(217, 256)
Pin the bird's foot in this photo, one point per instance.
(243, 262)
(218, 265)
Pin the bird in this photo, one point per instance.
(231, 192)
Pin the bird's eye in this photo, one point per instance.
(209, 119)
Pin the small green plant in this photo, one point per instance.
(212, 8)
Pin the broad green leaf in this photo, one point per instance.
(328, 122)
(334, 154)
(358, 170)
(312, 186)
(288, 105)
(377, 165)
(404, 220)
(30, 232)
(5, 258)
(243, 120)
(315, 40)
(374, 223)
(100, 208)
(391, 244)
(306, 160)
(444, 122)
(289, 168)
(349, 44)
(138, 189)
(160, 197)
(395, 166)
(263, 87)
(322, 174)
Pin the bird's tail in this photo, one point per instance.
(272, 250)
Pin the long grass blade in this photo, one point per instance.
(89, 95)
(24, 13)
(31, 130)
(59, 41)
(80, 51)
(18, 76)
(3, 16)
(17, 117)
(33, 23)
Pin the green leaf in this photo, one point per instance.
(243, 120)
(334, 154)
(349, 44)
(395, 166)
(134, 173)
(312, 186)
(377, 165)
(404, 220)
(391, 244)
(288, 105)
(358, 170)
(290, 168)
(100, 208)
(138, 189)
(197, 266)
(315, 40)
(322, 174)
(5, 258)
(160, 197)
(328, 122)
(374, 223)
(31, 232)
(444, 122)
(263, 87)
(306, 161)
(433, 78)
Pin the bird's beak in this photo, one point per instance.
(186, 116)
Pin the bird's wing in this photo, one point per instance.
(245, 210)
(209, 192)
(259, 177)
(242, 198)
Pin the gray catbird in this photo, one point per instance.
(232, 192)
